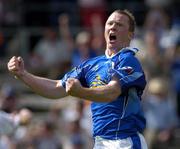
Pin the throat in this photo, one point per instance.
(110, 53)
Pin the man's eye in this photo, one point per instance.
(119, 24)
(110, 23)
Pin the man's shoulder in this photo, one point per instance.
(129, 54)
(95, 59)
(100, 57)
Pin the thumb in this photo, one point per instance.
(20, 64)
(20, 59)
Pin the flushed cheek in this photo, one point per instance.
(123, 31)
(121, 39)
(106, 36)
(123, 34)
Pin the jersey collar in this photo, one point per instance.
(134, 50)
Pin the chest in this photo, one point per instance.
(99, 73)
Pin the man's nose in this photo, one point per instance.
(113, 27)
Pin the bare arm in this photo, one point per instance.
(106, 93)
(45, 87)
(42, 86)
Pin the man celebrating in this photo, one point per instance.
(114, 82)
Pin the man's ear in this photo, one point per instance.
(130, 35)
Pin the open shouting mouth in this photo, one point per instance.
(112, 38)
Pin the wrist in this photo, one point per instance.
(82, 93)
(21, 75)
(78, 92)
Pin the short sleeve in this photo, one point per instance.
(130, 73)
(76, 72)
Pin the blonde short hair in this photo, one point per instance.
(132, 22)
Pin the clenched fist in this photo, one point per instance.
(16, 66)
(73, 87)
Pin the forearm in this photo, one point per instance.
(43, 86)
(105, 93)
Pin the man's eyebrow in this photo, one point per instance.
(113, 21)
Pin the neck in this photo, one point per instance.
(112, 51)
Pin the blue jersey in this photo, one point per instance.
(123, 117)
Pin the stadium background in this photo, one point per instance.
(54, 35)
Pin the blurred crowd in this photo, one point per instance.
(61, 46)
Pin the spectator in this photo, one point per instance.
(13, 127)
(77, 138)
(175, 75)
(160, 114)
(50, 54)
(89, 8)
(97, 42)
(83, 50)
(46, 138)
(67, 39)
(9, 100)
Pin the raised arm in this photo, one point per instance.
(42, 86)
(105, 93)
